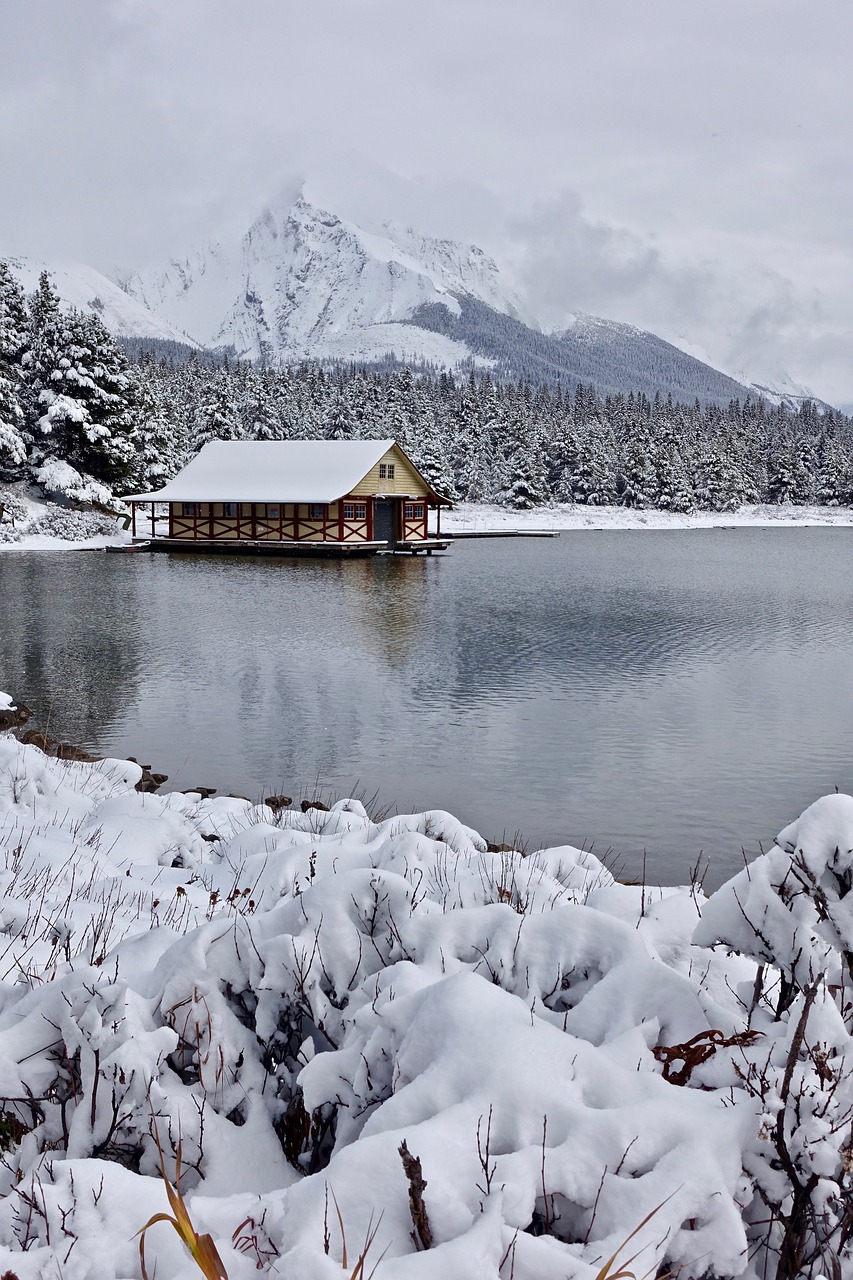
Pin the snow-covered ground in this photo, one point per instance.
(49, 542)
(482, 517)
(287, 998)
(405, 341)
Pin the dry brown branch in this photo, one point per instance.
(422, 1234)
(696, 1050)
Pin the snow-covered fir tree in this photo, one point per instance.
(636, 482)
(84, 397)
(786, 482)
(587, 477)
(13, 345)
(260, 418)
(160, 443)
(833, 479)
(432, 461)
(340, 422)
(218, 417)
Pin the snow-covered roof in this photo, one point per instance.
(272, 471)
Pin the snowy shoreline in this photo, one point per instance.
(473, 517)
(483, 517)
(297, 994)
(44, 542)
(60, 528)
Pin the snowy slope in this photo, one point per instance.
(81, 286)
(405, 342)
(779, 388)
(303, 282)
(651, 361)
(775, 385)
(610, 356)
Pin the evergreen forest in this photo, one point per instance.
(130, 416)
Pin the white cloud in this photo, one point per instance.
(747, 319)
(708, 141)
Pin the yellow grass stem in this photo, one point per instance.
(201, 1247)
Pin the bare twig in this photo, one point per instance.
(422, 1234)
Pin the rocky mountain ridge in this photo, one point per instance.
(306, 284)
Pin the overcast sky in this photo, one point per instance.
(680, 164)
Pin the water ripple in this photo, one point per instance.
(668, 691)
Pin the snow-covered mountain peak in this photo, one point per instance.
(302, 279)
(449, 266)
(581, 324)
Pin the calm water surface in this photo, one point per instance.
(662, 691)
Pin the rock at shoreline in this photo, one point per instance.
(305, 805)
(277, 803)
(61, 750)
(150, 781)
(12, 714)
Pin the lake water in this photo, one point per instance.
(669, 692)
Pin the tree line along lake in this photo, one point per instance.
(653, 694)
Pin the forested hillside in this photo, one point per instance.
(614, 358)
(69, 394)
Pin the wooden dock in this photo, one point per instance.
(247, 547)
(427, 545)
(505, 533)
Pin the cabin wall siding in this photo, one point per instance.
(406, 479)
(291, 523)
(414, 528)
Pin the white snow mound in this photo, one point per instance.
(292, 996)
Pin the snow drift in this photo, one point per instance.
(289, 997)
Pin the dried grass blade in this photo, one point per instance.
(622, 1274)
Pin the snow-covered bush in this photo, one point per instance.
(292, 997)
(15, 514)
(14, 510)
(792, 911)
(60, 521)
(72, 526)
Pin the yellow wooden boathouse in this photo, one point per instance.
(340, 497)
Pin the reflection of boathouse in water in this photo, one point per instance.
(340, 497)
